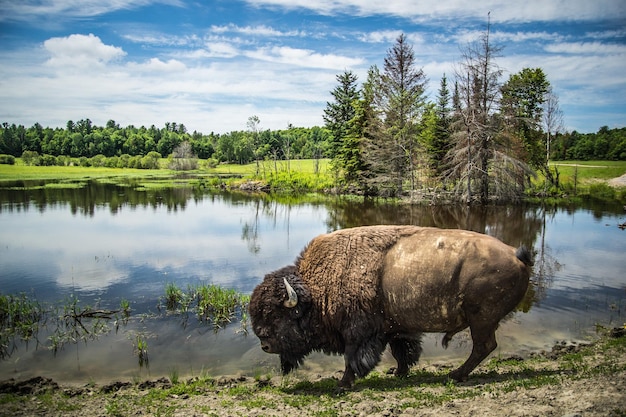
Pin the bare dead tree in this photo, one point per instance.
(183, 158)
(553, 124)
(483, 160)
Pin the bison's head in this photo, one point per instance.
(280, 311)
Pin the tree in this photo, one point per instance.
(522, 101)
(183, 158)
(484, 158)
(552, 125)
(399, 98)
(441, 144)
(253, 127)
(337, 117)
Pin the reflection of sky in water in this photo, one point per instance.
(134, 253)
(591, 251)
(203, 243)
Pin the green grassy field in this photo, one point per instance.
(589, 170)
(575, 177)
(305, 166)
(19, 171)
(22, 172)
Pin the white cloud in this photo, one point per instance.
(304, 58)
(80, 50)
(586, 48)
(502, 10)
(260, 30)
(64, 9)
(161, 39)
(221, 50)
(156, 65)
(380, 36)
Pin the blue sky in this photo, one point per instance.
(212, 64)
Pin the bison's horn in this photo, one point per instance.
(291, 293)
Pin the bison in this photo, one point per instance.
(357, 290)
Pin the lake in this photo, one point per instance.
(98, 243)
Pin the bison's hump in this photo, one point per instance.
(343, 269)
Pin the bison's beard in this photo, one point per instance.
(290, 361)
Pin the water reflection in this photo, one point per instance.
(104, 242)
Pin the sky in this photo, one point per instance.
(212, 64)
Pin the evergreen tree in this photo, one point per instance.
(399, 98)
(441, 142)
(337, 117)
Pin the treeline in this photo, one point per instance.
(480, 140)
(606, 144)
(131, 145)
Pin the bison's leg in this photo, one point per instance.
(348, 376)
(361, 359)
(484, 342)
(406, 349)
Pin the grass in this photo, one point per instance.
(20, 319)
(70, 322)
(22, 172)
(577, 179)
(377, 393)
(211, 303)
(589, 170)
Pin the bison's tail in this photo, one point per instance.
(523, 254)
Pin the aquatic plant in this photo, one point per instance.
(20, 318)
(141, 350)
(173, 296)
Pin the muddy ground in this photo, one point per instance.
(570, 380)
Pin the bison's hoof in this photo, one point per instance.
(457, 376)
(399, 372)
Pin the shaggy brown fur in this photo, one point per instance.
(359, 290)
(343, 268)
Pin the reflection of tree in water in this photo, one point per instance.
(515, 225)
(83, 197)
(264, 208)
(546, 265)
(250, 230)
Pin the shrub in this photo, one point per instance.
(30, 158)
(151, 161)
(98, 160)
(112, 162)
(48, 160)
(123, 161)
(7, 159)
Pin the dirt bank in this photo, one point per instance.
(618, 182)
(570, 380)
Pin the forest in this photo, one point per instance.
(480, 139)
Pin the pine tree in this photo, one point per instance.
(399, 98)
(441, 142)
(337, 117)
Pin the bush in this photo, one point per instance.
(98, 160)
(85, 162)
(299, 181)
(30, 158)
(112, 162)
(64, 161)
(602, 192)
(151, 161)
(48, 160)
(7, 159)
(123, 161)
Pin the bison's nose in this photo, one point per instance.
(265, 346)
